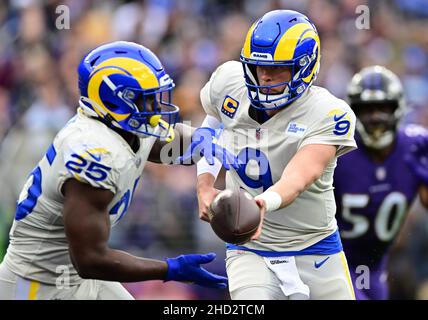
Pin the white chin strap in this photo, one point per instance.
(382, 142)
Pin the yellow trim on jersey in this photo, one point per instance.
(348, 275)
(246, 49)
(34, 288)
(99, 150)
(87, 153)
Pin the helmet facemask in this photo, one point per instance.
(155, 114)
(376, 96)
(377, 122)
(152, 114)
(280, 38)
(268, 97)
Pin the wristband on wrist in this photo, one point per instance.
(272, 200)
(204, 167)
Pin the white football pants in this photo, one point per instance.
(327, 277)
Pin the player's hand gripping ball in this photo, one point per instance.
(234, 216)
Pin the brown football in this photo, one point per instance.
(234, 216)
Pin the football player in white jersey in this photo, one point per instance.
(286, 135)
(85, 182)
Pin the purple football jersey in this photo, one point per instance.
(372, 202)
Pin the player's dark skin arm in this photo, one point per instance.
(87, 227)
(181, 142)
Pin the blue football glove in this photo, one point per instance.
(204, 145)
(187, 268)
(417, 158)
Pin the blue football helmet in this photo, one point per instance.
(281, 38)
(125, 85)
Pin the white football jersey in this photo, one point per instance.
(86, 150)
(317, 117)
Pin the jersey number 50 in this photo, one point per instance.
(384, 228)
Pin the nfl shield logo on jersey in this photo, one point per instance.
(138, 162)
(258, 133)
(381, 173)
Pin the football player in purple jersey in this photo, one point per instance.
(376, 184)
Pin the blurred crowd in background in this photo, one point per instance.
(39, 93)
